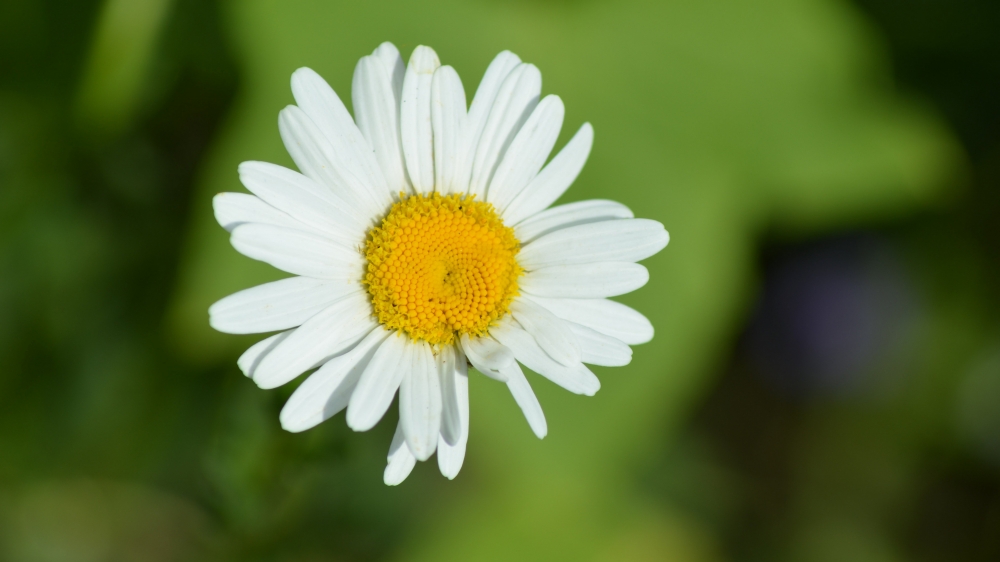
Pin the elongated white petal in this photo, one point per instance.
(479, 110)
(448, 120)
(276, 306)
(451, 422)
(420, 402)
(527, 152)
(304, 199)
(251, 358)
(376, 107)
(584, 281)
(395, 68)
(379, 382)
(415, 118)
(607, 317)
(552, 334)
(615, 240)
(571, 214)
(451, 457)
(554, 179)
(297, 251)
(599, 349)
(337, 328)
(235, 209)
(401, 460)
(351, 152)
(525, 398)
(515, 101)
(316, 158)
(487, 355)
(327, 391)
(577, 379)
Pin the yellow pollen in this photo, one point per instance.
(441, 266)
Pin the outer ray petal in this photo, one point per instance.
(420, 401)
(379, 382)
(451, 457)
(571, 214)
(327, 391)
(526, 399)
(577, 379)
(300, 197)
(584, 281)
(487, 355)
(351, 152)
(415, 118)
(325, 335)
(552, 334)
(251, 358)
(297, 251)
(235, 209)
(479, 111)
(278, 305)
(401, 460)
(527, 152)
(515, 101)
(448, 121)
(554, 179)
(615, 240)
(607, 317)
(376, 107)
(451, 420)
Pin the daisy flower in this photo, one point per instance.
(421, 241)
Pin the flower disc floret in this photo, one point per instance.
(441, 266)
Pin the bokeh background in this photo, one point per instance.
(824, 384)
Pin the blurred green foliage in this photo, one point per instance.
(127, 433)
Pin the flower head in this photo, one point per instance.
(422, 241)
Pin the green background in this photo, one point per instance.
(756, 132)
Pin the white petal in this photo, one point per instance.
(251, 358)
(395, 68)
(554, 179)
(401, 460)
(327, 391)
(335, 329)
(351, 152)
(571, 214)
(451, 423)
(607, 317)
(487, 355)
(527, 153)
(526, 399)
(515, 101)
(379, 382)
(276, 306)
(305, 200)
(451, 457)
(552, 334)
(420, 402)
(415, 118)
(297, 251)
(234, 209)
(448, 120)
(584, 281)
(479, 111)
(376, 107)
(599, 349)
(316, 158)
(615, 240)
(577, 379)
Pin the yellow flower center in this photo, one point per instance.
(441, 266)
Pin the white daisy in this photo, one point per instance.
(421, 241)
